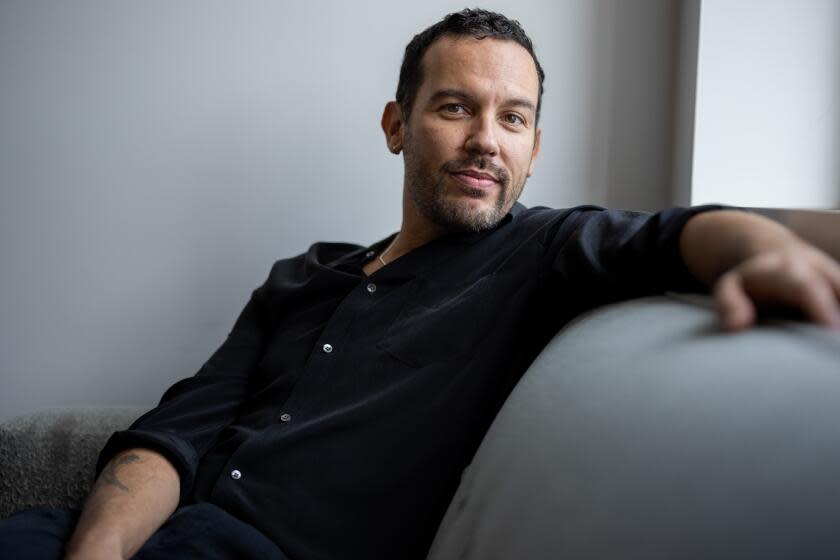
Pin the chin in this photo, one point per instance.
(459, 209)
(468, 216)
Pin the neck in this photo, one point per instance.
(416, 230)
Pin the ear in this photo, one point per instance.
(535, 152)
(392, 126)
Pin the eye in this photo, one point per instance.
(514, 119)
(454, 109)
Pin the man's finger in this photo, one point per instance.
(831, 269)
(735, 308)
(819, 301)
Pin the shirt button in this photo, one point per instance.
(371, 288)
(235, 474)
(285, 417)
(327, 348)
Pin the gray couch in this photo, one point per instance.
(48, 457)
(640, 432)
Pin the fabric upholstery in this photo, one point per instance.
(642, 431)
(47, 457)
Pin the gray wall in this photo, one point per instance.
(156, 157)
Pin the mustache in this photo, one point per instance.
(482, 164)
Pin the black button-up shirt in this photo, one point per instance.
(339, 413)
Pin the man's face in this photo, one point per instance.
(471, 139)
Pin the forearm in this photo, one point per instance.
(133, 496)
(711, 243)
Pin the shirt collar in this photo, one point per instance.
(409, 264)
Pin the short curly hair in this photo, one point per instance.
(473, 22)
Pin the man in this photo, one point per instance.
(335, 420)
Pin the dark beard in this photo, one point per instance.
(429, 199)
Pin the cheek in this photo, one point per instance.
(519, 157)
(442, 137)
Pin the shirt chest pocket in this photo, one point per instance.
(441, 323)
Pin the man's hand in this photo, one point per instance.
(753, 263)
(797, 278)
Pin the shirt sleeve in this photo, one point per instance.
(610, 255)
(194, 410)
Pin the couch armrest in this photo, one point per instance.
(48, 457)
(642, 431)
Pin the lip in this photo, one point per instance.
(474, 178)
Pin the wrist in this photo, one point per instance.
(713, 243)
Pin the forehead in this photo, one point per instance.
(498, 66)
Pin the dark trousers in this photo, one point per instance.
(196, 531)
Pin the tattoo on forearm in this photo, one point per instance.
(109, 474)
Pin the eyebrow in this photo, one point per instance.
(442, 94)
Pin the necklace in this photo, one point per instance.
(385, 252)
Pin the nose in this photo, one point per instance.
(482, 138)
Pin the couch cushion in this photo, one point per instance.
(644, 432)
(48, 457)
